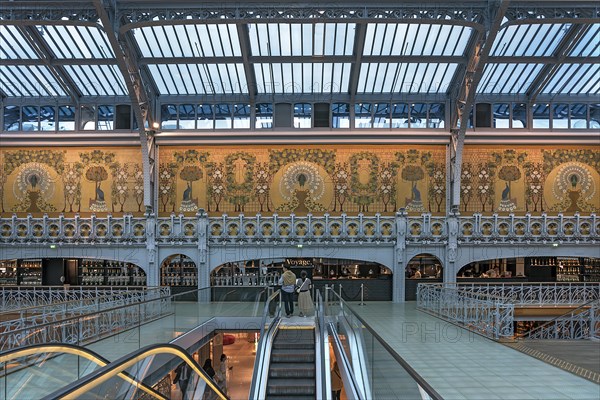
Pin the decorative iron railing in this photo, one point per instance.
(123, 229)
(19, 297)
(529, 229)
(91, 326)
(582, 323)
(538, 294)
(484, 314)
(359, 228)
(18, 319)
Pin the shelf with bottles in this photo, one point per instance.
(91, 272)
(179, 271)
(30, 272)
(111, 273)
(8, 272)
(568, 269)
(224, 278)
(591, 270)
(542, 261)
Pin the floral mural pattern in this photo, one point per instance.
(71, 181)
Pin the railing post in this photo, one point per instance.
(362, 294)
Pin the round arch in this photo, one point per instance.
(353, 275)
(178, 270)
(76, 271)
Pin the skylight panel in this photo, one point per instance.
(384, 39)
(97, 80)
(405, 77)
(575, 79)
(194, 79)
(13, 44)
(321, 39)
(76, 41)
(199, 40)
(589, 44)
(29, 81)
(529, 40)
(508, 78)
(301, 78)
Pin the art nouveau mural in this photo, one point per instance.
(302, 180)
(72, 180)
(530, 179)
(309, 179)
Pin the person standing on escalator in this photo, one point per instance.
(288, 285)
(182, 377)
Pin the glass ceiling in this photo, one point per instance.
(199, 54)
(416, 40)
(319, 39)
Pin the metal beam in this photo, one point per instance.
(61, 62)
(244, 38)
(566, 45)
(303, 98)
(35, 40)
(466, 98)
(359, 45)
(140, 104)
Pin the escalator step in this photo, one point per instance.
(292, 370)
(291, 387)
(290, 398)
(293, 345)
(292, 355)
(296, 335)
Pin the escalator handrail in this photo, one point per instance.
(350, 385)
(261, 361)
(80, 351)
(80, 387)
(322, 348)
(410, 370)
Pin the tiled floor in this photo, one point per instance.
(462, 365)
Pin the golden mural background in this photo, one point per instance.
(71, 180)
(531, 179)
(303, 179)
(315, 179)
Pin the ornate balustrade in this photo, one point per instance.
(53, 312)
(20, 297)
(424, 229)
(310, 229)
(73, 230)
(481, 313)
(576, 325)
(529, 229)
(537, 294)
(92, 326)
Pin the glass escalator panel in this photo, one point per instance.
(153, 372)
(34, 372)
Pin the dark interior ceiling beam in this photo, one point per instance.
(140, 102)
(465, 100)
(244, 38)
(36, 41)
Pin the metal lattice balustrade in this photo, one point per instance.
(87, 324)
(426, 229)
(489, 308)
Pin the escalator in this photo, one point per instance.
(37, 371)
(292, 365)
